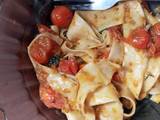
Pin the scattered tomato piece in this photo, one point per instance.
(139, 38)
(68, 66)
(61, 16)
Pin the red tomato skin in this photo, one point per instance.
(39, 54)
(61, 16)
(73, 66)
(139, 38)
(43, 49)
(49, 45)
(68, 66)
(64, 67)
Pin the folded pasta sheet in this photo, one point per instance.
(156, 88)
(90, 78)
(150, 19)
(81, 34)
(62, 84)
(74, 115)
(135, 64)
(126, 97)
(155, 92)
(151, 75)
(106, 18)
(103, 95)
(134, 17)
(110, 111)
(117, 52)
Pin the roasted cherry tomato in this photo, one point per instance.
(43, 49)
(39, 54)
(68, 66)
(43, 28)
(139, 38)
(61, 16)
(49, 45)
(51, 98)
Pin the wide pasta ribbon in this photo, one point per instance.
(60, 83)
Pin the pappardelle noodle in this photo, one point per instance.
(95, 65)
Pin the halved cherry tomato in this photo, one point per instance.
(139, 38)
(61, 16)
(44, 28)
(68, 66)
(51, 98)
(39, 54)
(43, 49)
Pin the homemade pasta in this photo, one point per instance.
(97, 67)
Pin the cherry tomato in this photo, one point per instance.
(49, 45)
(43, 29)
(68, 66)
(39, 54)
(43, 49)
(139, 38)
(51, 98)
(61, 16)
